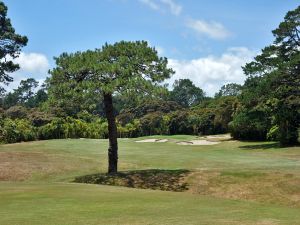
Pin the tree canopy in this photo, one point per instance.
(10, 46)
(231, 89)
(186, 93)
(272, 89)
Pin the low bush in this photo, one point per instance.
(17, 130)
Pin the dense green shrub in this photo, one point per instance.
(52, 130)
(73, 128)
(153, 123)
(130, 130)
(98, 129)
(179, 123)
(252, 125)
(12, 131)
(202, 121)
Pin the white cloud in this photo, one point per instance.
(163, 5)
(151, 4)
(32, 65)
(32, 62)
(173, 6)
(211, 72)
(212, 29)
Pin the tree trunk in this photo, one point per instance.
(112, 135)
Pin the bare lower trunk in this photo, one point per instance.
(112, 135)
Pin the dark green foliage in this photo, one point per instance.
(67, 97)
(53, 130)
(186, 94)
(273, 84)
(10, 45)
(130, 71)
(125, 67)
(12, 131)
(151, 106)
(46, 127)
(26, 89)
(249, 125)
(154, 123)
(179, 123)
(225, 107)
(26, 95)
(73, 128)
(202, 121)
(166, 117)
(10, 99)
(214, 115)
(150, 118)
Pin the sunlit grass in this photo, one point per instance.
(229, 183)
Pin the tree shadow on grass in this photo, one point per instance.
(261, 146)
(157, 179)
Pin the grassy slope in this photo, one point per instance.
(221, 173)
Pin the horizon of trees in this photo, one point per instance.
(126, 79)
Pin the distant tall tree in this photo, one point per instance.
(2, 96)
(186, 93)
(10, 46)
(231, 89)
(276, 72)
(25, 94)
(26, 89)
(39, 97)
(121, 67)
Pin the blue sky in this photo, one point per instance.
(206, 41)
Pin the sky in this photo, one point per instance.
(206, 41)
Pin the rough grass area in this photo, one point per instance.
(229, 183)
(165, 180)
(265, 187)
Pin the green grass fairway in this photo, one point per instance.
(229, 183)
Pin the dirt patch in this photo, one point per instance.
(166, 180)
(152, 141)
(198, 142)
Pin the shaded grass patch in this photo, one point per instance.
(156, 179)
(261, 146)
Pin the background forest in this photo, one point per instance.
(265, 107)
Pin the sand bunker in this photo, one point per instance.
(152, 140)
(198, 142)
(193, 142)
(162, 140)
(222, 136)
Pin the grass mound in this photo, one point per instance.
(166, 180)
